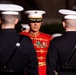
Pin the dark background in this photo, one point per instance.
(52, 19)
(50, 6)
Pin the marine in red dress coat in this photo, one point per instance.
(40, 40)
(41, 44)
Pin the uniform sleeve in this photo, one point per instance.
(32, 67)
(51, 59)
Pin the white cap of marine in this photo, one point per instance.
(69, 14)
(56, 35)
(10, 9)
(35, 13)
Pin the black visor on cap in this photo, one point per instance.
(35, 19)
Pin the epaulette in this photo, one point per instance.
(47, 35)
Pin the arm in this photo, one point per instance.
(51, 59)
(32, 68)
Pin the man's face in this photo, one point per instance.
(35, 26)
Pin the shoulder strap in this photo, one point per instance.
(15, 48)
(69, 58)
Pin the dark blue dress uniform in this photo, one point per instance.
(24, 59)
(59, 52)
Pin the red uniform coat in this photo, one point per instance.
(41, 44)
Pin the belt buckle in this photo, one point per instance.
(42, 63)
